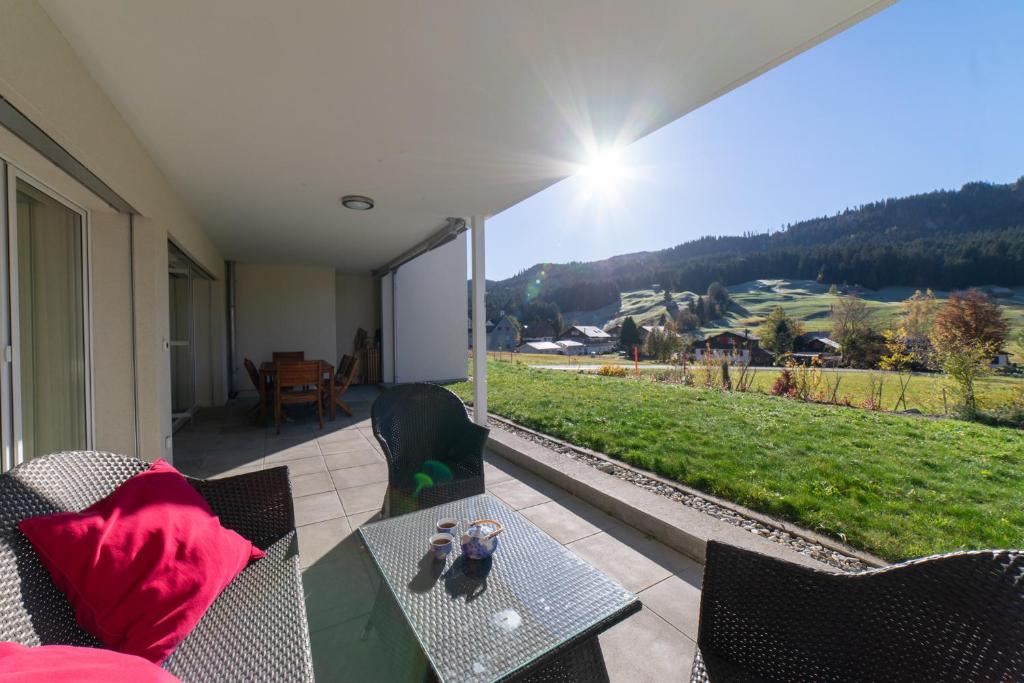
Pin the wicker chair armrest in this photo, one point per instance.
(467, 447)
(257, 505)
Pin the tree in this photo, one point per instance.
(630, 335)
(779, 331)
(898, 358)
(687, 320)
(967, 331)
(852, 329)
(833, 290)
(965, 361)
(917, 315)
(543, 312)
(663, 344)
(720, 296)
(969, 317)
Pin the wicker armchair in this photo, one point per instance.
(955, 617)
(255, 630)
(434, 451)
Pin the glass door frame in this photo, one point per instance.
(191, 272)
(10, 358)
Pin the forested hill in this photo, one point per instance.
(942, 239)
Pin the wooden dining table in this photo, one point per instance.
(268, 375)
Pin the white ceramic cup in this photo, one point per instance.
(447, 525)
(441, 545)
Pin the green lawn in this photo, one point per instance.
(896, 486)
(924, 391)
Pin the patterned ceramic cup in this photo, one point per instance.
(447, 525)
(441, 545)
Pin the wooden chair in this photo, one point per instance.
(288, 355)
(306, 376)
(348, 367)
(261, 390)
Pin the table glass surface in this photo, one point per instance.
(484, 620)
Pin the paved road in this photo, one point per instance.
(665, 366)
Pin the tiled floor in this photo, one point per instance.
(338, 478)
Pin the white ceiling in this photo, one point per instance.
(264, 113)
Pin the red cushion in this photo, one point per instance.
(62, 663)
(141, 566)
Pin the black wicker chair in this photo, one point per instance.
(434, 451)
(255, 630)
(955, 617)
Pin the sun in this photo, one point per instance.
(604, 173)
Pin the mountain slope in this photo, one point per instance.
(941, 239)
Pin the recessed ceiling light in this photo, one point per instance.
(357, 202)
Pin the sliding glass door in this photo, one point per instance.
(189, 332)
(46, 379)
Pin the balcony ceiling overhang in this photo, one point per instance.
(262, 114)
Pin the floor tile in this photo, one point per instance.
(495, 474)
(360, 518)
(308, 484)
(306, 449)
(518, 494)
(317, 540)
(343, 440)
(677, 601)
(645, 647)
(337, 587)
(234, 471)
(354, 458)
(303, 466)
(317, 508)
(360, 476)
(619, 561)
(567, 520)
(342, 655)
(362, 498)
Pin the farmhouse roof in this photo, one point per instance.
(591, 331)
(542, 346)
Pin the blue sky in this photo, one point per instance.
(927, 94)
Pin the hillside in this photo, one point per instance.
(943, 240)
(805, 300)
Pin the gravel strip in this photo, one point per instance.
(817, 551)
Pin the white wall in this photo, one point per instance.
(430, 315)
(283, 308)
(43, 78)
(387, 328)
(355, 302)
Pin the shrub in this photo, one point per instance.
(612, 371)
(784, 384)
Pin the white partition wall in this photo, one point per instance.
(426, 329)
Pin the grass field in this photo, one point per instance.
(893, 485)
(924, 391)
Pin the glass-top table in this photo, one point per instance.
(496, 619)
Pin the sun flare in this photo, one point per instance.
(605, 172)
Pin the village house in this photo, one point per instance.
(593, 338)
(571, 348)
(504, 336)
(538, 332)
(817, 345)
(540, 347)
(737, 347)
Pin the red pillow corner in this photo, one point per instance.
(143, 565)
(52, 663)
